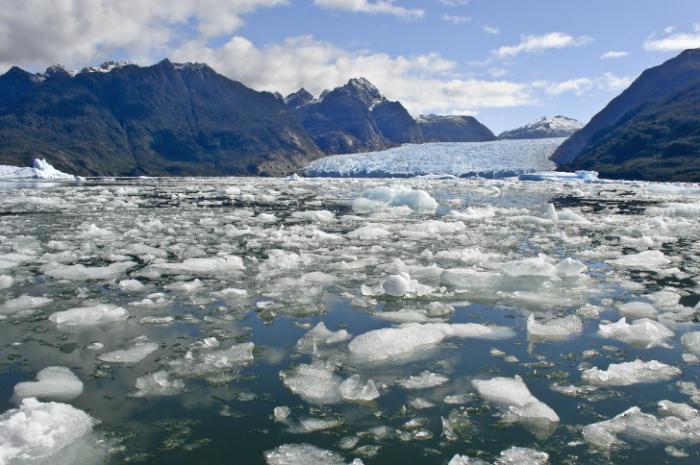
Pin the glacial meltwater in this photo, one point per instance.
(300, 321)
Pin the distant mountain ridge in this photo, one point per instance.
(544, 127)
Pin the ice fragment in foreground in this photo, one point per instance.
(157, 384)
(38, 430)
(643, 332)
(134, 354)
(52, 383)
(304, 454)
(87, 316)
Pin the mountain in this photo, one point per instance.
(655, 86)
(165, 119)
(354, 117)
(657, 141)
(298, 98)
(453, 128)
(541, 128)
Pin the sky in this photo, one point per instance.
(506, 62)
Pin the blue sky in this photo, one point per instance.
(505, 61)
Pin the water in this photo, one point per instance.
(496, 159)
(329, 274)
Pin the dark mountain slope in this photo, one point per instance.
(453, 128)
(166, 119)
(655, 84)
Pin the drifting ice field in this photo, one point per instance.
(339, 321)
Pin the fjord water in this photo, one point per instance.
(202, 267)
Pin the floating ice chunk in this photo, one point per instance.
(52, 383)
(134, 354)
(86, 273)
(157, 384)
(281, 413)
(522, 456)
(185, 287)
(310, 425)
(399, 285)
(36, 431)
(469, 279)
(691, 341)
(23, 303)
(381, 198)
(130, 285)
(353, 389)
(514, 398)
(404, 316)
(555, 329)
(6, 281)
(560, 176)
(91, 315)
(647, 260)
(628, 373)
(316, 216)
(320, 335)
(535, 266)
(664, 298)
(570, 268)
(637, 310)
(381, 345)
(215, 361)
(368, 233)
(304, 454)
(643, 332)
(680, 424)
(682, 210)
(424, 380)
(203, 266)
(314, 383)
(231, 293)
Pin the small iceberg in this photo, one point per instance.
(40, 170)
(560, 176)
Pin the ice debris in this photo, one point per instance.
(52, 383)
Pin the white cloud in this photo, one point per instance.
(491, 30)
(608, 82)
(372, 7)
(423, 83)
(78, 31)
(456, 19)
(610, 54)
(534, 44)
(673, 41)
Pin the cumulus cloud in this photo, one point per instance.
(610, 54)
(672, 41)
(491, 30)
(78, 31)
(535, 44)
(372, 7)
(423, 83)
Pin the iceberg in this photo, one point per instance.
(40, 170)
(643, 332)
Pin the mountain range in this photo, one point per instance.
(651, 131)
(120, 119)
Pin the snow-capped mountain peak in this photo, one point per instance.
(556, 126)
(105, 67)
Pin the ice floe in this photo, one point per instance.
(396, 344)
(628, 373)
(133, 354)
(52, 383)
(642, 332)
(90, 315)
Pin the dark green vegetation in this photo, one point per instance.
(165, 119)
(651, 131)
